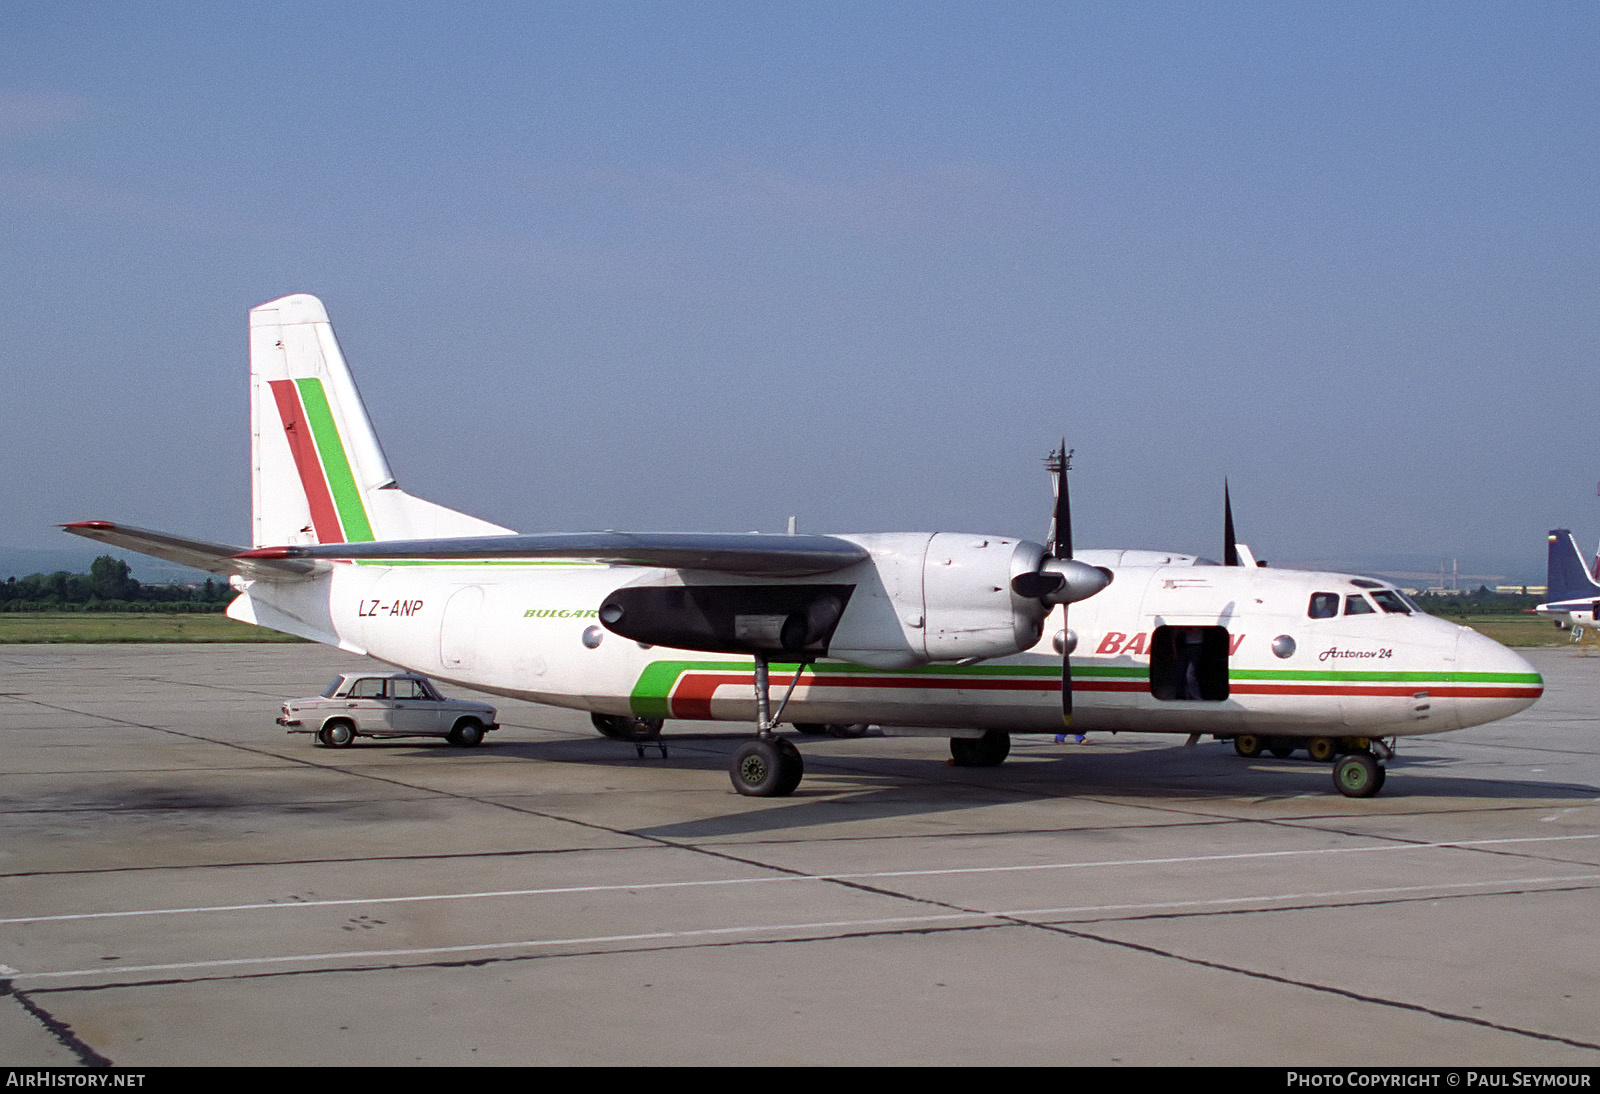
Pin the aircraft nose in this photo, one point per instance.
(1492, 682)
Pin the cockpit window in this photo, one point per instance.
(1323, 605)
(1357, 605)
(1391, 601)
(1365, 583)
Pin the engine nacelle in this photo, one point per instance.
(921, 597)
(971, 609)
(938, 597)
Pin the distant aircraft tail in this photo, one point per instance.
(318, 473)
(1568, 577)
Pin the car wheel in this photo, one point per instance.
(340, 734)
(468, 733)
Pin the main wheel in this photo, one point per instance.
(1322, 749)
(337, 734)
(1280, 748)
(1358, 775)
(467, 733)
(832, 729)
(765, 768)
(1247, 745)
(990, 750)
(623, 728)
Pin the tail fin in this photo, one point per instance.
(318, 473)
(1568, 577)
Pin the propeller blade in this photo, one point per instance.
(1059, 463)
(1230, 544)
(1062, 549)
(1060, 578)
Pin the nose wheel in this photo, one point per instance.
(1358, 775)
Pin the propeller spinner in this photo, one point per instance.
(1060, 578)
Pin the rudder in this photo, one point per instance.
(318, 471)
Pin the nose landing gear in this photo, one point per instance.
(1360, 773)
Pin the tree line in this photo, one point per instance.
(109, 586)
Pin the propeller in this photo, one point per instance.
(1230, 544)
(1060, 578)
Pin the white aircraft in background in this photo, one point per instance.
(966, 634)
(1573, 591)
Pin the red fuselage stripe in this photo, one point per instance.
(324, 517)
(692, 695)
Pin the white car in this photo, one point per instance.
(400, 704)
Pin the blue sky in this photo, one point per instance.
(664, 266)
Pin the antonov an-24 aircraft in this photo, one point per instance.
(964, 634)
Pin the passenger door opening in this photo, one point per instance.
(1189, 663)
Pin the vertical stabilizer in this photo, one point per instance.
(318, 472)
(1567, 576)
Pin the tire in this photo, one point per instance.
(990, 750)
(467, 733)
(1280, 748)
(842, 730)
(337, 734)
(1322, 749)
(765, 768)
(1358, 775)
(1247, 745)
(620, 727)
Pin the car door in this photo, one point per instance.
(415, 708)
(366, 703)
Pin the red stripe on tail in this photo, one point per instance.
(324, 517)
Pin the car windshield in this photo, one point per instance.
(328, 692)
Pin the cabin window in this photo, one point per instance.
(1189, 663)
(1391, 601)
(1323, 605)
(1357, 605)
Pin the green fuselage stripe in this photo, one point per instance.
(335, 462)
(653, 690)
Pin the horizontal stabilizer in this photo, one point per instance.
(728, 553)
(218, 558)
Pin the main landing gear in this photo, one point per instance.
(990, 750)
(1358, 762)
(769, 766)
(642, 733)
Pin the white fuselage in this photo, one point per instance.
(531, 630)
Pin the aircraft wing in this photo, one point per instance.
(218, 558)
(750, 553)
